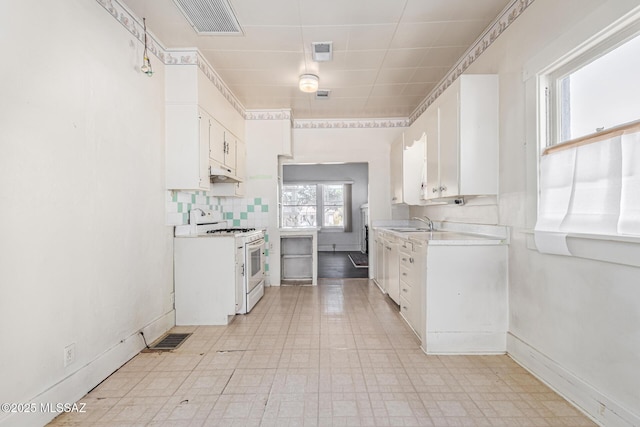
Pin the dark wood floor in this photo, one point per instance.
(337, 265)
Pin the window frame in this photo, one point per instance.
(320, 190)
(550, 80)
(284, 205)
(322, 204)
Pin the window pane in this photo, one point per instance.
(298, 216)
(299, 195)
(602, 94)
(333, 194)
(334, 216)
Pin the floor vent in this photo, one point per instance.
(210, 17)
(169, 342)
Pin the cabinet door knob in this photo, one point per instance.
(443, 188)
(434, 189)
(411, 260)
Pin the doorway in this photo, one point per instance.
(333, 198)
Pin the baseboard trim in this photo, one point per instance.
(465, 343)
(78, 383)
(583, 396)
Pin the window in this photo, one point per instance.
(597, 91)
(589, 178)
(333, 205)
(301, 204)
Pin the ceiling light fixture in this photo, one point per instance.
(309, 83)
(146, 64)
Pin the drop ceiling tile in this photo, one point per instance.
(428, 74)
(461, 33)
(404, 46)
(348, 78)
(417, 34)
(413, 89)
(394, 75)
(347, 60)
(349, 92)
(239, 77)
(485, 10)
(394, 90)
(429, 11)
(443, 56)
(371, 37)
(254, 60)
(395, 101)
(272, 12)
(352, 12)
(339, 35)
(272, 38)
(404, 58)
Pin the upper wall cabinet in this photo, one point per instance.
(198, 144)
(396, 170)
(187, 149)
(407, 169)
(462, 139)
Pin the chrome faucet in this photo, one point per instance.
(428, 221)
(198, 209)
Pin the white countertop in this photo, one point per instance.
(448, 234)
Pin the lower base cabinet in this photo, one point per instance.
(466, 300)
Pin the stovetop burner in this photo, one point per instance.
(230, 230)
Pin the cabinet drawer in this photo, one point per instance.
(406, 275)
(408, 292)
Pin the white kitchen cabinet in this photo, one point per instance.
(217, 146)
(196, 141)
(407, 163)
(465, 299)
(464, 139)
(391, 268)
(187, 147)
(413, 169)
(379, 267)
(396, 170)
(411, 255)
(233, 189)
(205, 280)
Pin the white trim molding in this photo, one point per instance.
(351, 123)
(502, 22)
(589, 400)
(284, 114)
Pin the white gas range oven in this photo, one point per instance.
(219, 271)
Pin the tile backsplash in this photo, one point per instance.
(238, 212)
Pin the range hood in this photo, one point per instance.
(222, 174)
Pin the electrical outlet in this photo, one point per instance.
(69, 354)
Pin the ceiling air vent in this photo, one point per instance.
(323, 94)
(210, 17)
(322, 51)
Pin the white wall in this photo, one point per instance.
(266, 140)
(85, 256)
(572, 321)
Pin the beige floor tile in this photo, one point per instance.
(338, 354)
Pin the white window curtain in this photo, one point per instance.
(593, 188)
